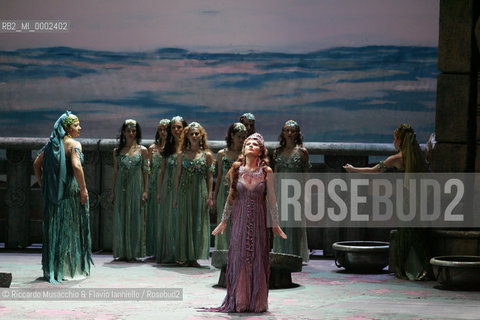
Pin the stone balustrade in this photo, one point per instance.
(21, 203)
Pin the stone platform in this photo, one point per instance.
(323, 292)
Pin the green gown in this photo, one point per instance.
(129, 210)
(66, 252)
(153, 207)
(221, 240)
(296, 242)
(193, 231)
(167, 221)
(412, 251)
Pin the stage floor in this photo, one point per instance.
(323, 292)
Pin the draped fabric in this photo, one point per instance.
(193, 233)
(129, 209)
(248, 267)
(297, 242)
(153, 207)
(221, 240)
(168, 215)
(54, 173)
(66, 252)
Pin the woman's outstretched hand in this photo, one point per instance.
(83, 196)
(220, 228)
(278, 231)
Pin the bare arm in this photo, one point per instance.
(161, 174)
(114, 175)
(150, 154)
(78, 170)
(146, 171)
(210, 161)
(37, 167)
(177, 178)
(219, 174)
(275, 167)
(305, 160)
(392, 161)
(349, 168)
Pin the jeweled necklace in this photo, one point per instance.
(248, 175)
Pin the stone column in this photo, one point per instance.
(456, 113)
(457, 117)
(107, 219)
(17, 198)
(92, 169)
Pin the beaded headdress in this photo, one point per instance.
(164, 122)
(256, 136)
(291, 123)
(194, 125)
(71, 118)
(177, 119)
(239, 127)
(249, 116)
(130, 123)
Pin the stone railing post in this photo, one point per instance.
(107, 222)
(92, 170)
(19, 166)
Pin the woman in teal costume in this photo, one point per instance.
(412, 251)
(248, 120)
(292, 156)
(234, 138)
(194, 184)
(153, 207)
(129, 193)
(66, 252)
(167, 222)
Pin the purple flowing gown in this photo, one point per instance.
(248, 268)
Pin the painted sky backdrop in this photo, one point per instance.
(346, 70)
(227, 25)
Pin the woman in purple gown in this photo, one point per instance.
(248, 268)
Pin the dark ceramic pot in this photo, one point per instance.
(361, 256)
(457, 272)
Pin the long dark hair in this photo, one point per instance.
(232, 130)
(244, 119)
(170, 147)
(412, 156)
(158, 141)
(298, 140)
(121, 137)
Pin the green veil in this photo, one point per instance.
(54, 173)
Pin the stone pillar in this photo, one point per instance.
(457, 117)
(456, 113)
(106, 219)
(92, 170)
(19, 168)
